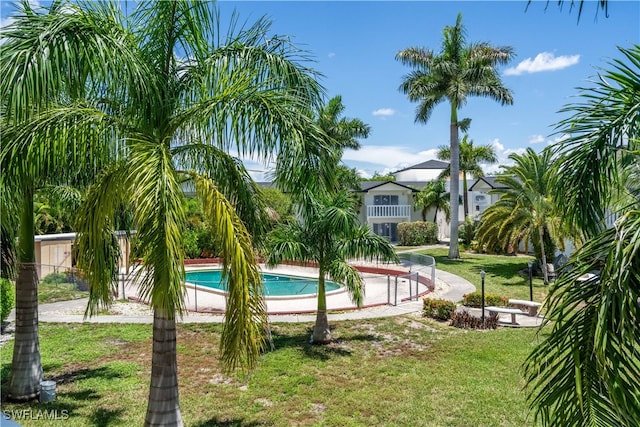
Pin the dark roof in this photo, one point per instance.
(370, 185)
(490, 181)
(266, 184)
(429, 164)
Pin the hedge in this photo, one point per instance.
(474, 299)
(438, 308)
(7, 298)
(417, 233)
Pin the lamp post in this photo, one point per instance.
(482, 273)
(530, 263)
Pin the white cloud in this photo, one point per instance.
(384, 112)
(497, 145)
(536, 139)
(331, 55)
(545, 61)
(503, 157)
(389, 158)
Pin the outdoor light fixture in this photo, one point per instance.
(482, 274)
(530, 263)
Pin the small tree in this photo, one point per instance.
(329, 235)
(433, 195)
(470, 158)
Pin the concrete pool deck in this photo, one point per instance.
(449, 287)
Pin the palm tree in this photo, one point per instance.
(318, 168)
(586, 371)
(470, 159)
(433, 195)
(525, 211)
(329, 235)
(26, 89)
(456, 72)
(176, 95)
(601, 4)
(328, 232)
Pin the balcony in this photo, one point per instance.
(388, 211)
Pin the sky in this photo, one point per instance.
(353, 46)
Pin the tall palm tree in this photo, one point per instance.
(329, 235)
(433, 195)
(313, 170)
(328, 232)
(174, 98)
(525, 211)
(458, 71)
(586, 371)
(27, 87)
(470, 158)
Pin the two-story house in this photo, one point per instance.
(385, 204)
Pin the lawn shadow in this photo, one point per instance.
(510, 268)
(216, 422)
(101, 417)
(103, 372)
(338, 347)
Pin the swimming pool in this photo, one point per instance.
(273, 284)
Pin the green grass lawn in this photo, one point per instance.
(54, 292)
(403, 371)
(506, 275)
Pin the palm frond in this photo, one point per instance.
(159, 215)
(245, 318)
(96, 246)
(347, 275)
(287, 242)
(68, 50)
(585, 370)
(232, 180)
(600, 131)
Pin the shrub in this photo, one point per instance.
(417, 233)
(465, 320)
(438, 308)
(55, 279)
(474, 299)
(467, 231)
(191, 249)
(7, 298)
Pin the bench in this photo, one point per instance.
(511, 311)
(530, 306)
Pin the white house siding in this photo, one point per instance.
(54, 252)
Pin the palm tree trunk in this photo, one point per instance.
(26, 367)
(543, 256)
(435, 215)
(321, 332)
(164, 406)
(465, 195)
(454, 191)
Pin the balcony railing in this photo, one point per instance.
(388, 211)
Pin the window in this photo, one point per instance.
(385, 199)
(387, 229)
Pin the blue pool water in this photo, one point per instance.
(273, 284)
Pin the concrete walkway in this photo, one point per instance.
(60, 311)
(71, 311)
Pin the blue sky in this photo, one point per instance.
(354, 46)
